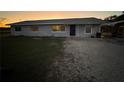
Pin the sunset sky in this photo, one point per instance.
(15, 16)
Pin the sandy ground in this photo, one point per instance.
(88, 59)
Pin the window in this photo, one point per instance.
(58, 28)
(34, 28)
(18, 29)
(88, 29)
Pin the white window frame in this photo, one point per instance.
(85, 29)
(15, 29)
(34, 30)
(58, 31)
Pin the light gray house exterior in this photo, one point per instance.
(77, 27)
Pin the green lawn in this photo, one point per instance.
(28, 58)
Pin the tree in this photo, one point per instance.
(111, 18)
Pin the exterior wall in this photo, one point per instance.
(46, 30)
(81, 30)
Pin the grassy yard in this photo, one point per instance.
(28, 58)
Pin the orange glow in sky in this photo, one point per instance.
(16, 16)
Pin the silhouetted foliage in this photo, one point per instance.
(111, 18)
(4, 30)
(119, 18)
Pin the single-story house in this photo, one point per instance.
(78, 27)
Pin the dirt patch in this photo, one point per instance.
(70, 66)
(88, 60)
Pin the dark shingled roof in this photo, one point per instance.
(60, 21)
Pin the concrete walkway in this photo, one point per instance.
(89, 59)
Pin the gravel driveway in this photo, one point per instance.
(89, 59)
